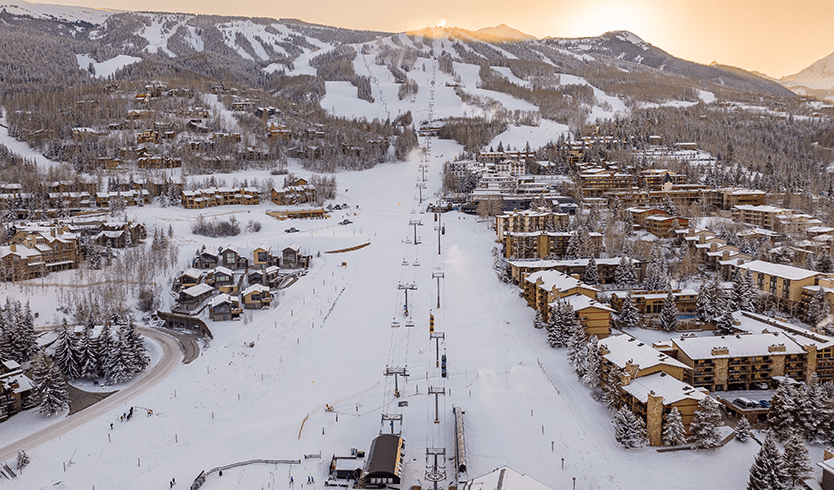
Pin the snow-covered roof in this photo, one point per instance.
(557, 280)
(255, 288)
(760, 208)
(550, 263)
(581, 302)
(504, 478)
(682, 292)
(756, 324)
(744, 345)
(192, 272)
(661, 384)
(625, 348)
(223, 270)
(197, 290)
(220, 299)
(264, 246)
(293, 246)
(778, 270)
(11, 365)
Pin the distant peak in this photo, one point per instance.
(627, 36)
(504, 32)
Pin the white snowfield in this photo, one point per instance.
(329, 339)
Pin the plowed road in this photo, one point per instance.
(171, 357)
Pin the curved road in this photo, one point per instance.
(171, 358)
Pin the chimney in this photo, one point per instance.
(13, 247)
(52, 232)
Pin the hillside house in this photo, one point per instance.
(15, 389)
(193, 297)
(256, 297)
(222, 279)
(224, 307)
(292, 258)
(545, 287)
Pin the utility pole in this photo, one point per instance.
(395, 372)
(415, 224)
(406, 287)
(436, 391)
(438, 275)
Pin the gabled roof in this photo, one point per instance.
(581, 302)
(504, 478)
(255, 288)
(745, 345)
(555, 279)
(198, 290)
(625, 348)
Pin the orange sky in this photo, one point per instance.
(776, 37)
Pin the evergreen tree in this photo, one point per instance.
(628, 316)
(767, 472)
(674, 433)
(29, 341)
(796, 462)
(781, 416)
(138, 353)
(572, 250)
(629, 430)
(591, 273)
(119, 367)
(593, 364)
(575, 341)
(669, 314)
(104, 348)
(49, 389)
(725, 325)
(818, 308)
(704, 305)
(537, 321)
(89, 348)
(743, 430)
(657, 273)
(554, 326)
(704, 425)
(624, 275)
(741, 297)
(67, 353)
(611, 391)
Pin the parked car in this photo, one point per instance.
(292, 229)
(345, 222)
(761, 386)
(745, 403)
(764, 403)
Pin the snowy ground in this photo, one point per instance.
(236, 403)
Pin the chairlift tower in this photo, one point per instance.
(396, 372)
(415, 224)
(433, 390)
(438, 275)
(437, 472)
(406, 287)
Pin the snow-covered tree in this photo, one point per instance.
(628, 316)
(725, 324)
(591, 273)
(554, 338)
(120, 363)
(704, 305)
(818, 308)
(575, 340)
(629, 430)
(26, 327)
(49, 389)
(537, 321)
(137, 350)
(781, 417)
(767, 472)
(796, 462)
(67, 352)
(741, 297)
(572, 250)
(669, 314)
(705, 424)
(674, 433)
(657, 272)
(89, 349)
(593, 364)
(624, 275)
(743, 430)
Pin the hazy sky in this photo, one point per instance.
(776, 37)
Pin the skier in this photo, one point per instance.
(111, 425)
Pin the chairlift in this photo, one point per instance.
(409, 323)
(416, 262)
(404, 262)
(395, 324)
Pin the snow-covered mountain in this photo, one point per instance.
(250, 50)
(504, 32)
(817, 80)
